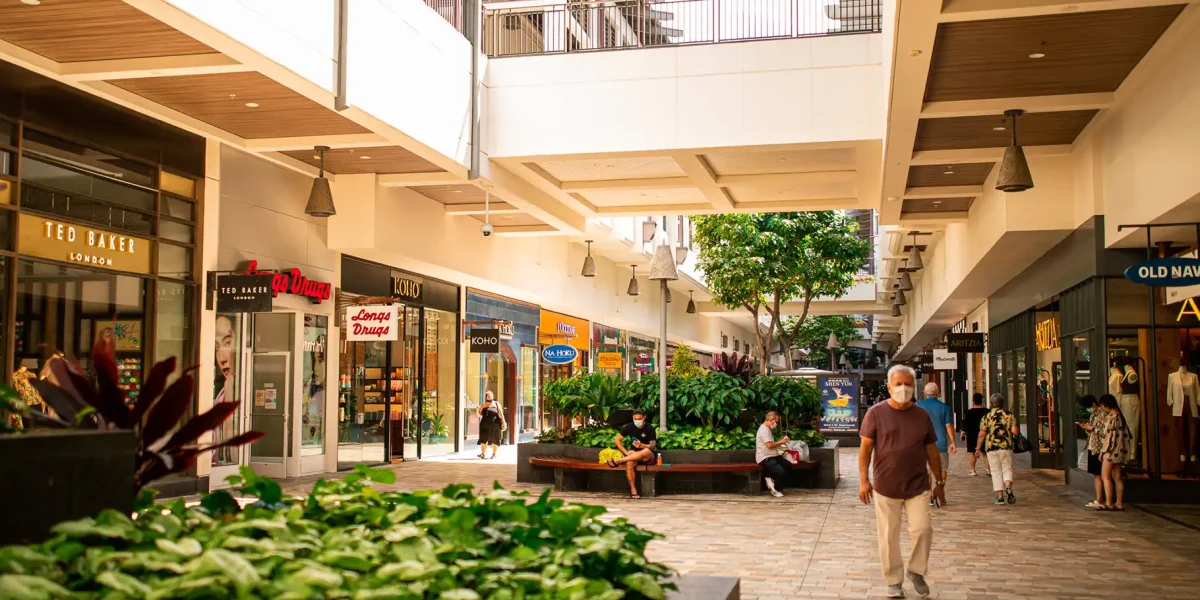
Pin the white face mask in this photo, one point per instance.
(902, 393)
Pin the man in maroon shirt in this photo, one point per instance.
(900, 436)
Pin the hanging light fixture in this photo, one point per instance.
(633, 284)
(1014, 173)
(320, 198)
(681, 254)
(691, 309)
(896, 311)
(589, 263)
(900, 299)
(833, 341)
(649, 226)
(914, 257)
(905, 279)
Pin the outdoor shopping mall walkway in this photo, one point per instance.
(821, 543)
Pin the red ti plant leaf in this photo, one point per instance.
(248, 437)
(200, 424)
(152, 387)
(165, 414)
(110, 399)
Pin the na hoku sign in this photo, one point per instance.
(292, 281)
(1165, 272)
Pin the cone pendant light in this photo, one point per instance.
(896, 311)
(901, 300)
(589, 263)
(691, 307)
(914, 262)
(1014, 173)
(633, 284)
(905, 279)
(320, 198)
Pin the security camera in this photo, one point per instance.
(488, 229)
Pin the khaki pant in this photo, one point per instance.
(920, 529)
(1000, 464)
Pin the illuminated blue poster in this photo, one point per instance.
(839, 399)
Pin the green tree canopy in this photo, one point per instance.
(759, 261)
(813, 334)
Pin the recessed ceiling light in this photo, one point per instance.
(455, 191)
(251, 105)
(1037, 55)
(937, 202)
(31, 2)
(364, 157)
(998, 128)
(947, 172)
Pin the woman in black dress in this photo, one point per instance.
(491, 425)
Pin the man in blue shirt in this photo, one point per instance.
(943, 426)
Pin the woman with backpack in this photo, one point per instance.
(997, 436)
(1112, 444)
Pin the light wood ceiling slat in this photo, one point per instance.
(1034, 129)
(518, 220)
(630, 197)
(1085, 52)
(936, 175)
(453, 194)
(281, 112)
(936, 205)
(85, 30)
(383, 159)
(786, 161)
(605, 169)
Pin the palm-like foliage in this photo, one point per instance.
(734, 366)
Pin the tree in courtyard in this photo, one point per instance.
(684, 363)
(813, 334)
(759, 261)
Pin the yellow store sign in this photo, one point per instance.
(92, 247)
(608, 360)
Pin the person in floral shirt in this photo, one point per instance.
(997, 432)
(1112, 445)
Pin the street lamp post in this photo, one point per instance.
(663, 269)
(832, 345)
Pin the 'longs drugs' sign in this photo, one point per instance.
(376, 323)
(1165, 272)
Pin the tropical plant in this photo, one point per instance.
(347, 539)
(813, 334)
(684, 363)
(596, 437)
(167, 444)
(706, 438)
(797, 401)
(758, 261)
(563, 396)
(714, 400)
(734, 366)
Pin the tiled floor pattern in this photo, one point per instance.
(821, 543)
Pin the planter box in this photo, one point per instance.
(56, 476)
(829, 469)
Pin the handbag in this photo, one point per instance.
(1021, 444)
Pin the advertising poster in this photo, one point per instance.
(839, 398)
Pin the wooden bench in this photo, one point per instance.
(648, 474)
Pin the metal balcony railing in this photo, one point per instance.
(522, 28)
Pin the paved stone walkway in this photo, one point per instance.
(821, 543)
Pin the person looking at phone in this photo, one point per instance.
(767, 454)
(642, 450)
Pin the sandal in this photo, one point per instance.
(612, 464)
(1093, 504)
(481, 455)
(1118, 508)
(635, 496)
(1103, 508)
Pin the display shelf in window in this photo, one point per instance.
(129, 377)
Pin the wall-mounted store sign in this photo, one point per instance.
(407, 288)
(1163, 272)
(376, 323)
(506, 330)
(965, 342)
(557, 328)
(242, 293)
(83, 245)
(559, 354)
(609, 360)
(293, 282)
(944, 360)
(1046, 334)
(484, 341)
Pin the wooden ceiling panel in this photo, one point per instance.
(777, 192)
(647, 197)
(517, 220)
(453, 194)
(382, 159)
(84, 30)
(1033, 129)
(785, 161)
(1084, 52)
(604, 169)
(936, 205)
(220, 100)
(939, 175)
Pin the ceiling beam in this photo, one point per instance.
(495, 208)
(345, 140)
(799, 205)
(641, 210)
(155, 66)
(418, 179)
(654, 183)
(933, 220)
(816, 308)
(1032, 104)
(508, 187)
(976, 155)
(978, 10)
(944, 191)
(527, 231)
(703, 177)
(815, 178)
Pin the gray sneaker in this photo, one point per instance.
(895, 591)
(919, 584)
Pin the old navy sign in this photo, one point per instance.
(560, 354)
(294, 282)
(1164, 272)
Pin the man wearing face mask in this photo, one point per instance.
(644, 445)
(766, 453)
(902, 442)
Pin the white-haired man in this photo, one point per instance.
(899, 443)
(943, 425)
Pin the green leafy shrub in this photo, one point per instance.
(797, 401)
(587, 397)
(347, 539)
(596, 437)
(563, 396)
(706, 438)
(684, 363)
(713, 399)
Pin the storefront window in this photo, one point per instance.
(1127, 381)
(1018, 397)
(439, 426)
(609, 347)
(226, 386)
(313, 375)
(643, 356)
(1048, 374)
(361, 404)
(529, 389)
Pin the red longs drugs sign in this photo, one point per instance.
(372, 323)
(294, 282)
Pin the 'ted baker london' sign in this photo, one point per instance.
(67, 242)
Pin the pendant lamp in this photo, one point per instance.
(896, 311)
(589, 263)
(681, 253)
(905, 279)
(833, 341)
(633, 284)
(662, 266)
(914, 257)
(320, 198)
(1014, 173)
(691, 308)
(900, 299)
(649, 226)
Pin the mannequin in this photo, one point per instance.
(1114, 381)
(1131, 405)
(1183, 389)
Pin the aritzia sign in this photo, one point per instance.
(293, 282)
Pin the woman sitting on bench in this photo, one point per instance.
(643, 450)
